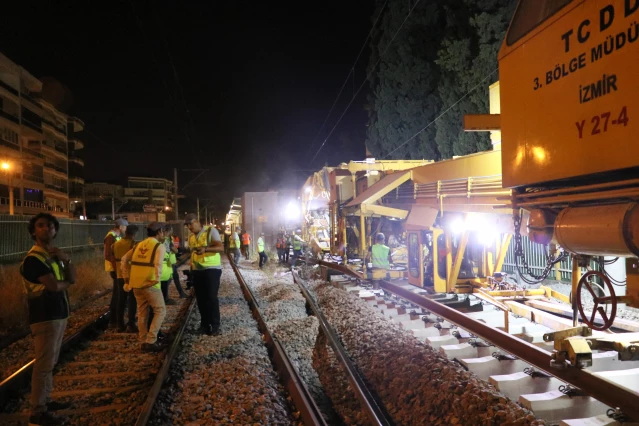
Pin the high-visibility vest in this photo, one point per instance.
(297, 244)
(107, 265)
(143, 263)
(379, 259)
(235, 241)
(45, 305)
(120, 248)
(281, 243)
(260, 244)
(246, 239)
(176, 242)
(206, 260)
(167, 266)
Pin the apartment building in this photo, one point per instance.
(100, 191)
(156, 192)
(38, 148)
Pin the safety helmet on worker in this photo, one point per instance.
(380, 237)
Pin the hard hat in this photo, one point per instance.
(380, 237)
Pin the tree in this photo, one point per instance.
(437, 69)
(404, 77)
(468, 62)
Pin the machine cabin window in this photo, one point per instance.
(413, 253)
(530, 14)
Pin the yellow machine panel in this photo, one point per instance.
(569, 76)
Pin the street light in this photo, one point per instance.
(6, 167)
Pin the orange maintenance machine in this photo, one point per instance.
(569, 75)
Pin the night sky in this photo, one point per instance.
(257, 79)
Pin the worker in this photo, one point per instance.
(206, 270)
(142, 271)
(167, 266)
(281, 245)
(287, 247)
(297, 242)
(379, 254)
(46, 272)
(175, 273)
(246, 244)
(234, 245)
(176, 241)
(126, 299)
(261, 251)
(109, 265)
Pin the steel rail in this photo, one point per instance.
(304, 402)
(22, 377)
(163, 373)
(376, 412)
(596, 386)
(599, 388)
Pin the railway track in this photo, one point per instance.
(103, 374)
(508, 350)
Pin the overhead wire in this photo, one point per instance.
(410, 11)
(178, 83)
(175, 78)
(351, 71)
(443, 113)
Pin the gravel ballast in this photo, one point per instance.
(21, 352)
(284, 310)
(225, 379)
(417, 384)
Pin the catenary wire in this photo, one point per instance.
(352, 71)
(365, 80)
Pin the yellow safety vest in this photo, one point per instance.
(143, 263)
(120, 248)
(107, 265)
(260, 244)
(167, 265)
(206, 260)
(379, 259)
(45, 305)
(235, 241)
(297, 244)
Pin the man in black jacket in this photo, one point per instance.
(47, 272)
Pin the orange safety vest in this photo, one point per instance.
(176, 242)
(246, 239)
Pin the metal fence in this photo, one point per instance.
(74, 235)
(536, 258)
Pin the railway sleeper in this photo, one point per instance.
(553, 406)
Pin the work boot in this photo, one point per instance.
(131, 328)
(56, 406)
(213, 331)
(45, 419)
(152, 347)
(161, 335)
